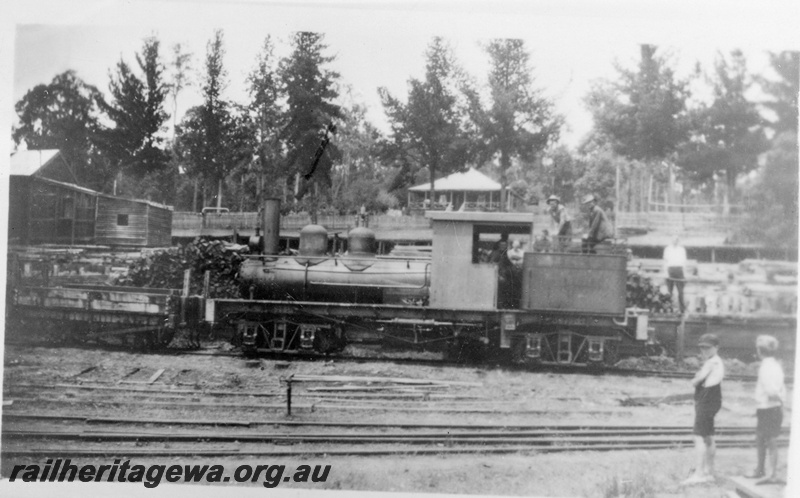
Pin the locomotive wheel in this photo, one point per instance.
(329, 341)
(519, 353)
(454, 350)
(610, 353)
(463, 350)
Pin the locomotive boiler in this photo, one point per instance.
(318, 273)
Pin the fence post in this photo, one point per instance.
(187, 276)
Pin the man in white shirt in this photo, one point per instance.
(560, 221)
(770, 397)
(674, 262)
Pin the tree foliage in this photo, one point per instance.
(559, 174)
(641, 114)
(63, 114)
(727, 135)
(518, 122)
(599, 174)
(213, 137)
(431, 128)
(267, 90)
(773, 213)
(783, 91)
(180, 67)
(310, 92)
(359, 178)
(134, 144)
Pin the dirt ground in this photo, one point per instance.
(477, 395)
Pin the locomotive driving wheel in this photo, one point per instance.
(519, 353)
(328, 341)
(610, 353)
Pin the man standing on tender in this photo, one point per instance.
(561, 222)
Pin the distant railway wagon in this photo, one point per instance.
(559, 307)
(139, 317)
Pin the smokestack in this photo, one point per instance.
(271, 224)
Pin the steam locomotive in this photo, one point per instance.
(565, 307)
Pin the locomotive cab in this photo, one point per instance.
(468, 269)
(559, 307)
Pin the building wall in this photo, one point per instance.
(126, 222)
(58, 214)
(121, 222)
(18, 205)
(159, 228)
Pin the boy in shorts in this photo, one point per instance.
(770, 396)
(707, 383)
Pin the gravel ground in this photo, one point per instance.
(189, 389)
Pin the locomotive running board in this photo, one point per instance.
(219, 310)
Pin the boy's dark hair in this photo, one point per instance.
(709, 340)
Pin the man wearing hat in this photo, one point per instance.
(707, 384)
(599, 226)
(560, 220)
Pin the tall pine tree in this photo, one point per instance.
(212, 138)
(519, 122)
(134, 144)
(311, 93)
(727, 135)
(641, 114)
(430, 130)
(267, 91)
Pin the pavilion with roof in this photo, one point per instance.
(462, 191)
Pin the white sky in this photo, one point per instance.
(383, 43)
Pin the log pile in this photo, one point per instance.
(642, 293)
(165, 269)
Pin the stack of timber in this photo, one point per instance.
(53, 265)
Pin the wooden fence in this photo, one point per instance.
(677, 222)
(187, 221)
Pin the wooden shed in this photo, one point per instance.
(132, 222)
(45, 206)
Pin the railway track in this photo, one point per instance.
(72, 437)
(550, 368)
